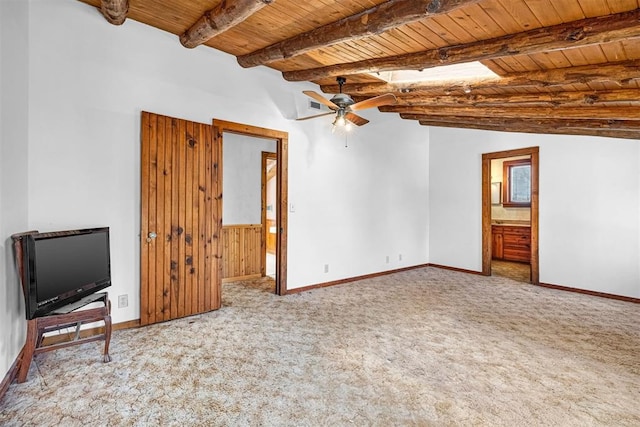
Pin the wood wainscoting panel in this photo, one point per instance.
(241, 251)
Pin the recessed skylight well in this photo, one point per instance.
(456, 72)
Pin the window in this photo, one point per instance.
(516, 180)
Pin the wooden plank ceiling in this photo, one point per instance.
(569, 67)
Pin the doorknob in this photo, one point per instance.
(152, 235)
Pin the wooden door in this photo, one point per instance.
(180, 219)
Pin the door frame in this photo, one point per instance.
(534, 152)
(282, 185)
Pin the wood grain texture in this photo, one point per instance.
(376, 20)
(623, 73)
(569, 35)
(148, 123)
(115, 11)
(38, 326)
(599, 113)
(535, 46)
(535, 215)
(225, 15)
(178, 270)
(486, 216)
(525, 126)
(515, 243)
(542, 123)
(242, 251)
(578, 98)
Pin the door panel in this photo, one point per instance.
(179, 227)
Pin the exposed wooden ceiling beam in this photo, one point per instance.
(605, 113)
(552, 99)
(222, 17)
(622, 26)
(538, 129)
(376, 20)
(618, 72)
(115, 11)
(621, 125)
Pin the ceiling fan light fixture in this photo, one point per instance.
(344, 106)
(340, 120)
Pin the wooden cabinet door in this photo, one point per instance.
(517, 244)
(497, 251)
(180, 219)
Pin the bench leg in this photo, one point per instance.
(107, 333)
(29, 349)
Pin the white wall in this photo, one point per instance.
(392, 190)
(14, 133)
(356, 205)
(242, 178)
(75, 86)
(89, 80)
(589, 206)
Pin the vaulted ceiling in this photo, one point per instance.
(568, 67)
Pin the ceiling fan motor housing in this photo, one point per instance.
(342, 100)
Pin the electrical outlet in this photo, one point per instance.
(387, 259)
(123, 301)
(326, 268)
(400, 257)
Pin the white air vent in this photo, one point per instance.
(315, 105)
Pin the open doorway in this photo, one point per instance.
(244, 237)
(269, 213)
(511, 218)
(244, 226)
(510, 214)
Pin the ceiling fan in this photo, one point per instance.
(343, 106)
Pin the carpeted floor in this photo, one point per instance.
(426, 347)
(517, 271)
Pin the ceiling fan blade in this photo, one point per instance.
(378, 101)
(355, 119)
(317, 115)
(321, 99)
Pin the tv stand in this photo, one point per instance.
(66, 317)
(63, 317)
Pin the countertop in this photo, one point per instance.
(511, 223)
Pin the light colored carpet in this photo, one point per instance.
(517, 271)
(426, 347)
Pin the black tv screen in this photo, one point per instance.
(65, 266)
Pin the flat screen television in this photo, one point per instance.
(62, 267)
